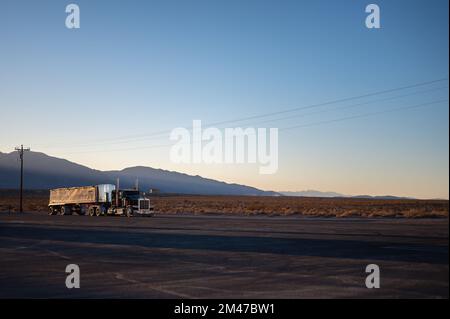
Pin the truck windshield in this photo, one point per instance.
(131, 194)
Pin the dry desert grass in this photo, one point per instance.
(302, 206)
(271, 206)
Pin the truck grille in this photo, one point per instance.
(144, 204)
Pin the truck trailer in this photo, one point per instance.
(99, 200)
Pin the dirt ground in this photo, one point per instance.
(37, 200)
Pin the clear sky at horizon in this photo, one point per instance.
(139, 67)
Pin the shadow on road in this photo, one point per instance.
(354, 249)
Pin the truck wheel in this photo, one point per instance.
(51, 211)
(82, 211)
(63, 210)
(129, 211)
(91, 211)
(98, 211)
(103, 211)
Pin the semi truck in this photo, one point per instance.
(99, 200)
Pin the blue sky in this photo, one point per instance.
(138, 67)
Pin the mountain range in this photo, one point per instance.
(42, 171)
(314, 193)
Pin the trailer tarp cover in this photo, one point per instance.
(73, 195)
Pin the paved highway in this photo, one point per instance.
(221, 257)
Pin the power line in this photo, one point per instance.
(287, 117)
(21, 150)
(353, 105)
(364, 115)
(334, 101)
(130, 138)
(289, 128)
(310, 113)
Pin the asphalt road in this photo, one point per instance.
(221, 257)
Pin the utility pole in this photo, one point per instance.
(21, 150)
(117, 192)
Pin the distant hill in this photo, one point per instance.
(43, 172)
(381, 197)
(314, 193)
